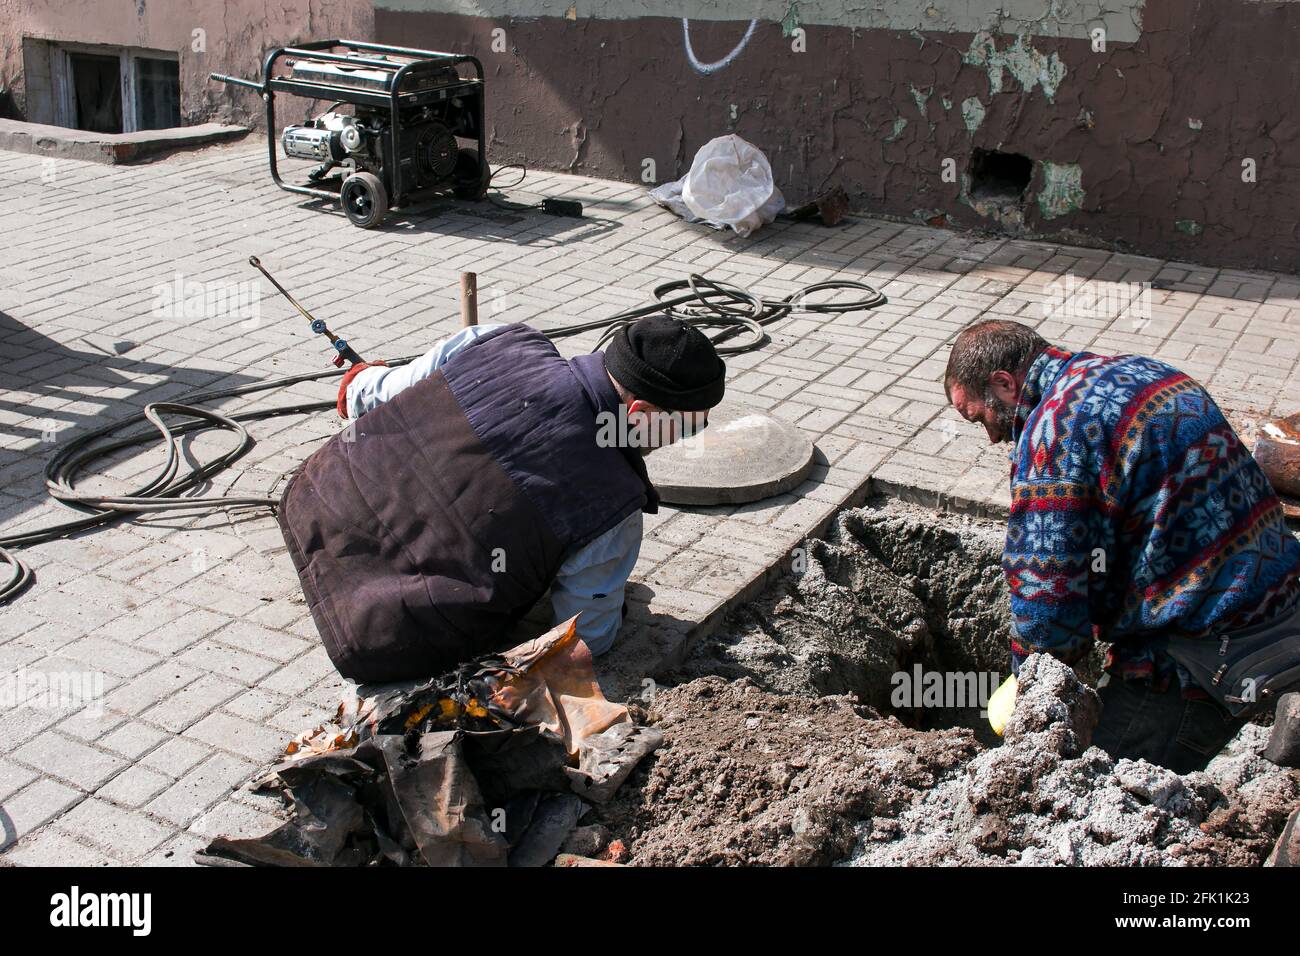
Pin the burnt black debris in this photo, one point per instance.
(491, 765)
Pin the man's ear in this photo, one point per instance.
(1005, 387)
(638, 405)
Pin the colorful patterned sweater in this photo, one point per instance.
(1136, 512)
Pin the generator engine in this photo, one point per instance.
(426, 149)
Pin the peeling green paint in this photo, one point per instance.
(790, 22)
(1189, 227)
(1029, 67)
(972, 113)
(1194, 123)
(1062, 190)
(899, 125)
(947, 103)
(921, 97)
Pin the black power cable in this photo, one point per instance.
(730, 309)
(726, 309)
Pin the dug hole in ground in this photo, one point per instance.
(790, 741)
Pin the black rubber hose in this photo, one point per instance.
(162, 492)
(726, 309)
(20, 575)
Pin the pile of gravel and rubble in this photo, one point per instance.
(749, 777)
(783, 748)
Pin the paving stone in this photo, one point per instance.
(134, 786)
(175, 757)
(51, 847)
(178, 851)
(234, 819)
(142, 692)
(132, 739)
(84, 766)
(244, 737)
(90, 723)
(125, 834)
(26, 810)
(191, 702)
(14, 777)
(203, 786)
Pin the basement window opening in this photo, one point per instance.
(1000, 176)
(102, 89)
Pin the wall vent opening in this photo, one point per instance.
(999, 176)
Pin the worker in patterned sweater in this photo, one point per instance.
(1138, 518)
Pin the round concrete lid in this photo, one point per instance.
(741, 457)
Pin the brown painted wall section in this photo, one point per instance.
(600, 96)
(236, 34)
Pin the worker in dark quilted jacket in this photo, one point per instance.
(478, 476)
(1138, 518)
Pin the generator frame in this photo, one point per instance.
(395, 99)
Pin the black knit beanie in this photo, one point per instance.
(667, 363)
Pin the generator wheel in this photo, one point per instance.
(364, 200)
(471, 177)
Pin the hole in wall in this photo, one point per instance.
(999, 176)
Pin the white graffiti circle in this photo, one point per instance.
(716, 64)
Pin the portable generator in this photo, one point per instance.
(414, 128)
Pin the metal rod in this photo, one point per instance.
(318, 325)
(257, 264)
(409, 51)
(234, 81)
(341, 58)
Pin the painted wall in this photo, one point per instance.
(1145, 145)
(231, 38)
(1178, 138)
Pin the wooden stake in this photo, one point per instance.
(468, 299)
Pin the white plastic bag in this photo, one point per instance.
(729, 185)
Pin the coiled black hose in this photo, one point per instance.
(725, 310)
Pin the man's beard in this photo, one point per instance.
(1004, 415)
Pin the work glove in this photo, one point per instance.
(348, 376)
(1002, 704)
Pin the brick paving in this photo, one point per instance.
(203, 655)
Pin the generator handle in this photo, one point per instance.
(235, 81)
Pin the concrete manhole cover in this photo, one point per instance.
(742, 456)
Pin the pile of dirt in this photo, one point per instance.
(749, 777)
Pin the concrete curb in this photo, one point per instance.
(109, 148)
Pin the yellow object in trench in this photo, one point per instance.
(1001, 704)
